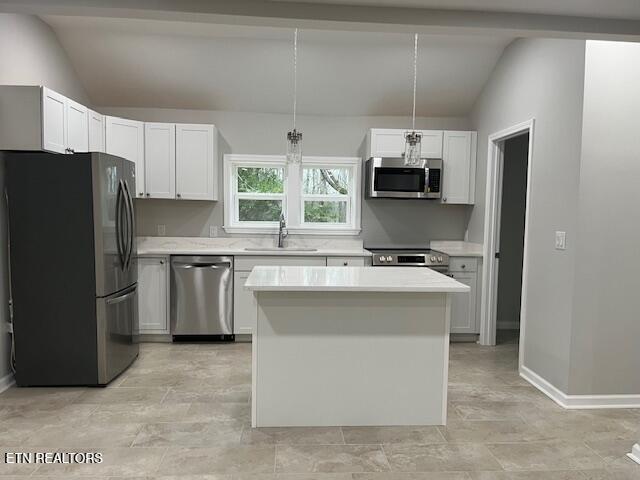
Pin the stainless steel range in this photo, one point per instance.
(410, 257)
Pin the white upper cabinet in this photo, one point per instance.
(459, 165)
(160, 160)
(390, 142)
(431, 144)
(65, 127)
(196, 162)
(77, 127)
(96, 132)
(54, 119)
(125, 138)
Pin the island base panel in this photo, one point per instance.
(350, 358)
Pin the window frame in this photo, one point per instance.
(292, 197)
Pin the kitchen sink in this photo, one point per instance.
(280, 249)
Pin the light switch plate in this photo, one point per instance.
(162, 230)
(213, 231)
(561, 240)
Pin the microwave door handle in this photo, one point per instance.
(426, 179)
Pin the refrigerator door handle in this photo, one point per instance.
(121, 298)
(130, 224)
(119, 239)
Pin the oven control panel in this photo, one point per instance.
(428, 258)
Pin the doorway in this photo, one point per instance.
(511, 238)
(506, 235)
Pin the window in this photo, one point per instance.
(321, 195)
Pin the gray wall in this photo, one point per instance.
(605, 340)
(29, 55)
(512, 214)
(383, 221)
(541, 79)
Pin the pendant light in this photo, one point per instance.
(413, 139)
(294, 137)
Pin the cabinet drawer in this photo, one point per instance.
(245, 264)
(345, 261)
(463, 264)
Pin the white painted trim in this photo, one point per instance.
(578, 402)
(7, 382)
(493, 199)
(445, 374)
(635, 453)
(508, 325)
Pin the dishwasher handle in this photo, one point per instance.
(186, 265)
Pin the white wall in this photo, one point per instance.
(384, 221)
(29, 55)
(605, 341)
(541, 79)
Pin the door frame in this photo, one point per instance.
(493, 200)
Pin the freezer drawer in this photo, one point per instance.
(201, 295)
(117, 317)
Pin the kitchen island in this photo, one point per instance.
(350, 346)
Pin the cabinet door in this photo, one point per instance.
(245, 307)
(77, 127)
(196, 162)
(431, 144)
(345, 261)
(457, 155)
(125, 138)
(387, 142)
(152, 295)
(96, 132)
(160, 160)
(463, 305)
(54, 115)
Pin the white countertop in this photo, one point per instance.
(457, 248)
(352, 279)
(257, 246)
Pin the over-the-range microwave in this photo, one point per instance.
(392, 178)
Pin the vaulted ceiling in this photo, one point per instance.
(170, 64)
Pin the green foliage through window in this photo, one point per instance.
(325, 212)
(325, 181)
(259, 210)
(260, 180)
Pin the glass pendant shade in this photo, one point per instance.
(294, 146)
(412, 148)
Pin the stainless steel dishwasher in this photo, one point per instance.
(202, 296)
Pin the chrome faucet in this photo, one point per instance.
(282, 231)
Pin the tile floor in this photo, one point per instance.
(182, 412)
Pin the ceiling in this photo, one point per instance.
(170, 64)
(622, 9)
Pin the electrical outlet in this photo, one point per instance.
(162, 230)
(561, 240)
(213, 231)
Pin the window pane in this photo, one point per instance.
(259, 210)
(261, 179)
(325, 181)
(325, 212)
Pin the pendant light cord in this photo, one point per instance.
(415, 79)
(295, 75)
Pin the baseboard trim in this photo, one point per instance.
(635, 453)
(576, 402)
(7, 382)
(508, 325)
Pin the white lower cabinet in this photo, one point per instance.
(245, 312)
(153, 295)
(346, 261)
(463, 306)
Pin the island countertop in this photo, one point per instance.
(351, 279)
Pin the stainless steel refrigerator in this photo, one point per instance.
(73, 267)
